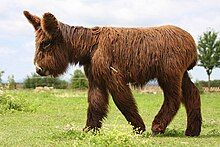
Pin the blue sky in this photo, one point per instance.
(17, 35)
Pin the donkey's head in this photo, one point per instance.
(51, 54)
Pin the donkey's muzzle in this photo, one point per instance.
(42, 72)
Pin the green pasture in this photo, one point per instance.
(56, 118)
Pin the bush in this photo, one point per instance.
(36, 81)
(11, 104)
(79, 80)
(199, 86)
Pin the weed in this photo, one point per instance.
(9, 103)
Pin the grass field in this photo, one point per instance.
(56, 118)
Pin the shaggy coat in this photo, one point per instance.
(113, 58)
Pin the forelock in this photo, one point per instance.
(40, 35)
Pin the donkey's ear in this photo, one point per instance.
(33, 19)
(50, 25)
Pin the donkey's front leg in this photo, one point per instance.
(98, 106)
(124, 100)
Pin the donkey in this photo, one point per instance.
(114, 57)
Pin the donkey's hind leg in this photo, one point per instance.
(191, 101)
(171, 87)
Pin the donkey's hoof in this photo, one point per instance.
(192, 133)
(157, 129)
(94, 130)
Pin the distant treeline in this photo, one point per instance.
(78, 81)
(37, 81)
(213, 83)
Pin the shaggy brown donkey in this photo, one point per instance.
(114, 57)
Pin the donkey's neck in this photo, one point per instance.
(80, 42)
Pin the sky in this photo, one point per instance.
(17, 35)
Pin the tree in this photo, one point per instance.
(11, 82)
(35, 80)
(1, 73)
(209, 52)
(78, 80)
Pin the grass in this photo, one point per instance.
(60, 115)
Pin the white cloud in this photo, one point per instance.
(4, 51)
(116, 12)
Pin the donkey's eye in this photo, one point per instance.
(44, 45)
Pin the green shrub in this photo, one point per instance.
(11, 104)
(79, 80)
(36, 81)
(199, 86)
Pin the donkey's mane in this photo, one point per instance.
(82, 42)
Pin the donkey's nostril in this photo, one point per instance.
(42, 72)
(38, 70)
